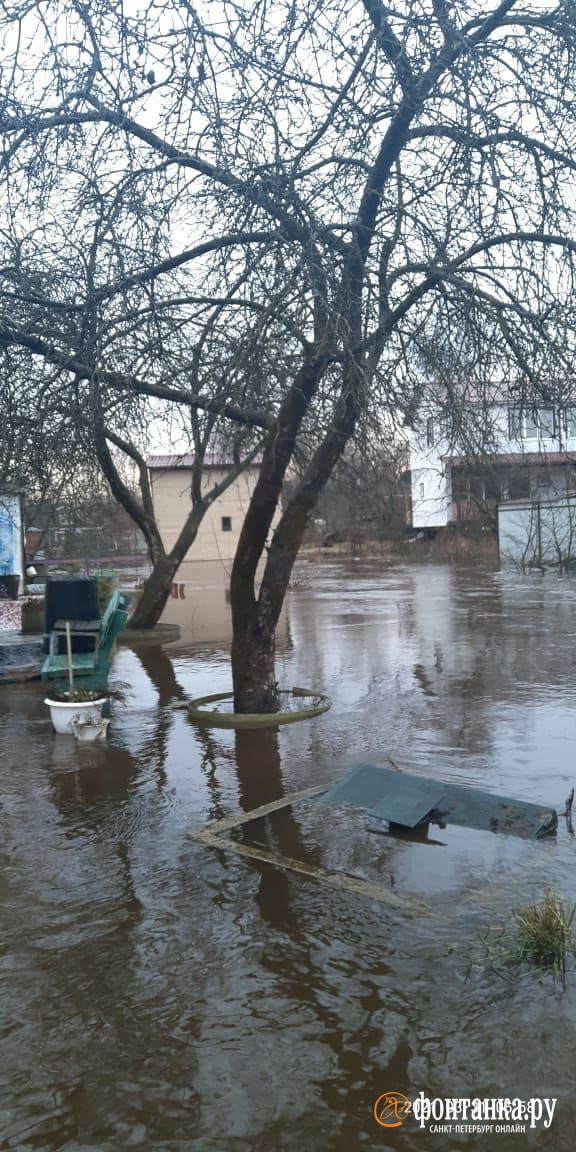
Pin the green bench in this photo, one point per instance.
(95, 664)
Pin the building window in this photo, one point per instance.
(519, 485)
(430, 432)
(421, 491)
(468, 485)
(539, 422)
(569, 415)
(531, 425)
(226, 523)
(514, 423)
(547, 422)
(542, 482)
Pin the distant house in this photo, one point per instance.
(200, 600)
(486, 452)
(218, 535)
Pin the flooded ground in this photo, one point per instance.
(158, 994)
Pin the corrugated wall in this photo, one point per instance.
(538, 533)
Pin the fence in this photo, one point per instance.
(538, 534)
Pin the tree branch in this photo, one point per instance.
(12, 335)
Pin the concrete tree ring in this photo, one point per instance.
(149, 637)
(213, 718)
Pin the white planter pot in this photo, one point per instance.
(63, 715)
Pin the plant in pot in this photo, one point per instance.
(73, 708)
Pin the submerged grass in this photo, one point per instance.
(541, 937)
(544, 933)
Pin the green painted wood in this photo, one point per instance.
(390, 795)
(408, 802)
(58, 665)
(406, 799)
(473, 808)
(364, 786)
(94, 665)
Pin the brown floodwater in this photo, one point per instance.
(157, 993)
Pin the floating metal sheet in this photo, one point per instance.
(473, 808)
(363, 787)
(408, 802)
(389, 794)
(407, 799)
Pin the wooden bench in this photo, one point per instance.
(95, 664)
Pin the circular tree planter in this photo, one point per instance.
(18, 673)
(214, 718)
(149, 637)
(65, 714)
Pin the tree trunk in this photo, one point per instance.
(254, 618)
(157, 587)
(254, 625)
(155, 593)
(253, 670)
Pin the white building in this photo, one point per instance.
(485, 453)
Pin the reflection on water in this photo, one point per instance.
(200, 605)
(157, 994)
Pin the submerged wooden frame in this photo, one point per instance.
(539, 821)
(214, 836)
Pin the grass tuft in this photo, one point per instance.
(540, 936)
(544, 934)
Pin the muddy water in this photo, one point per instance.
(157, 994)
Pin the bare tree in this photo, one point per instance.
(317, 187)
(39, 452)
(364, 500)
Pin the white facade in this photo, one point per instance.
(535, 446)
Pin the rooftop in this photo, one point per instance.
(481, 394)
(186, 460)
(512, 458)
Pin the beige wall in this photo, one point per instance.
(200, 605)
(200, 600)
(171, 495)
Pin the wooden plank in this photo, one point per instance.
(57, 665)
(211, 836)
(340, 880)
(240, 818)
